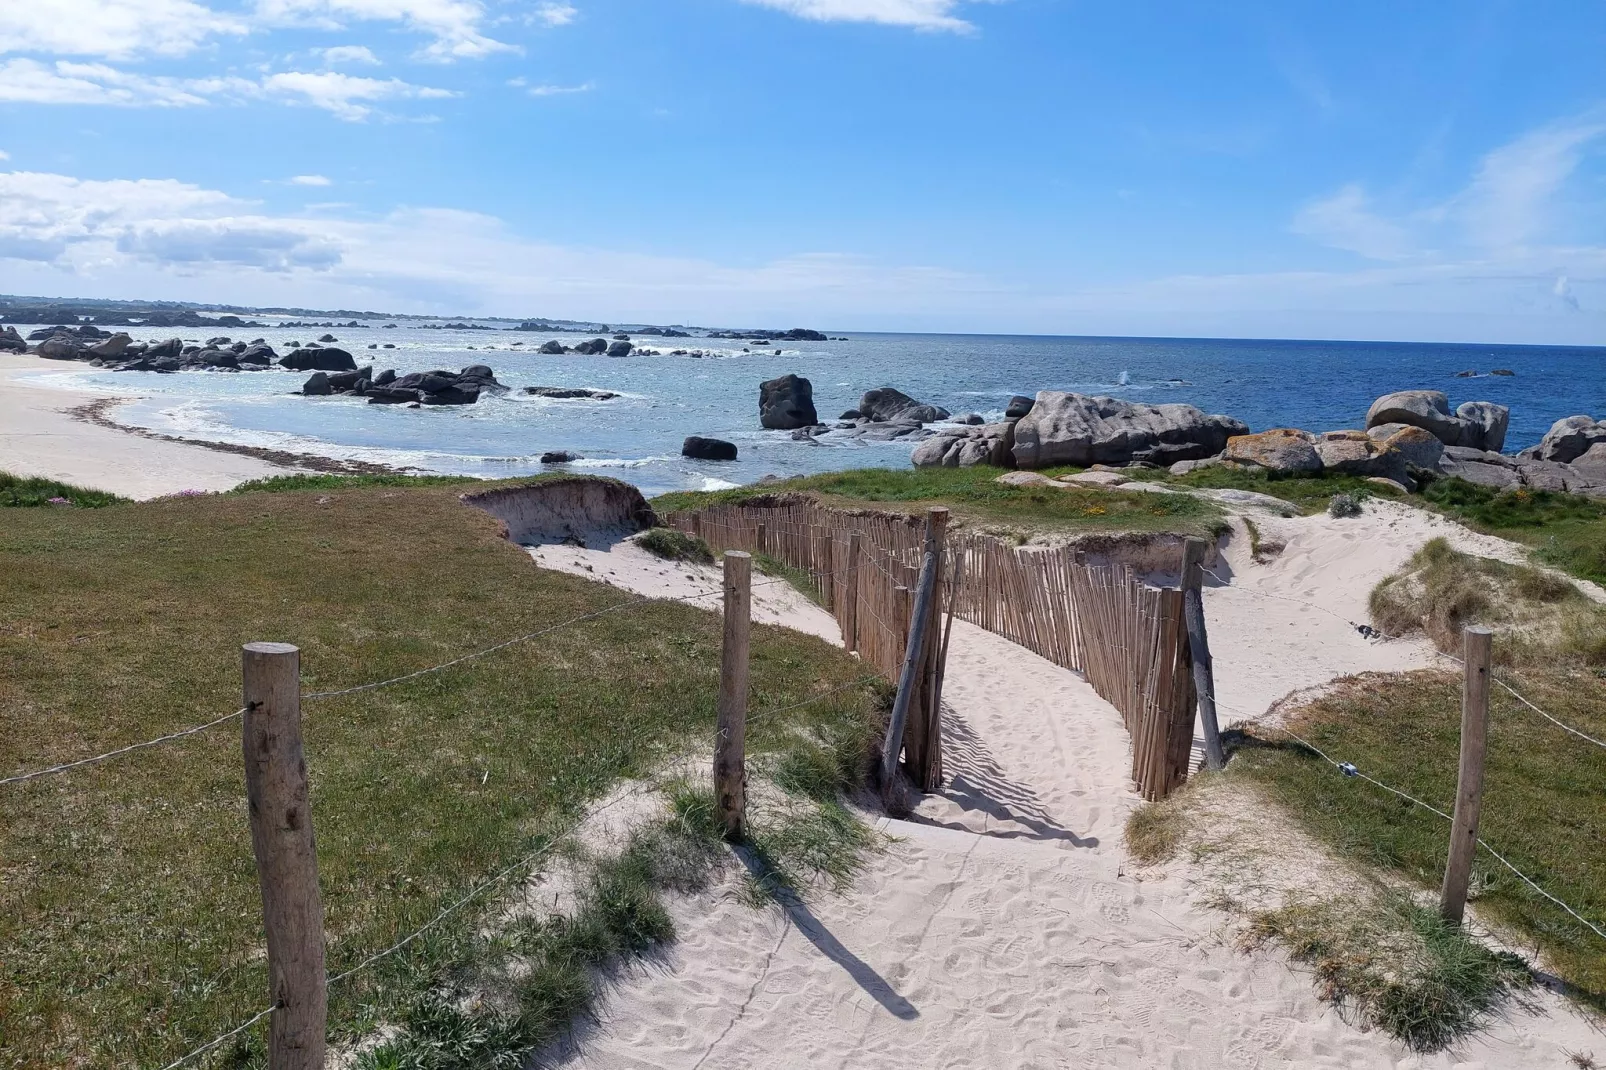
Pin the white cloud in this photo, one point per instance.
(31, 82)
(454, 24)
(310, 180)
(1508, 206)
(919, 14)
(167, 239)
(110, 28)
(346, 96)
(559, 90)
(1346, 221)
(1508, 202)
(348, 54)
(4, 155)
(555, 14)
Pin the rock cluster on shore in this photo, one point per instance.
(119, 352)
(418, 388)
(1408, 436)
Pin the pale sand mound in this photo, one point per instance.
(1030, 945)
(39, 438)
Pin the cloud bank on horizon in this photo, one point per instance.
(965, 165)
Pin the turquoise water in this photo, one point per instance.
(1315, 385)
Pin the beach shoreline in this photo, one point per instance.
(73, 436)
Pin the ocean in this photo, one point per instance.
(1319, 386)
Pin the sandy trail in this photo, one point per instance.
(1004, 925)
(39, 438)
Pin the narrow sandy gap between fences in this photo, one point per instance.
(1004, 925)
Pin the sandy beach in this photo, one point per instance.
(39, 436)
(1005, 924)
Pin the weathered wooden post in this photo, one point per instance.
(923, 737)
(850, 591)
(825, 566)
(287, 859)
(761, 543)
(909, 678)
(1475, 644)
(730, 748)
(1204, 675)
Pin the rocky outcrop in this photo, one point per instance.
(620, 348)
(1019, 406)
(1477, 425)
(708, 449)
(887, 405)
(552, 348)
(1282, 450)
(595, 347)
(1419, 448)
(786, 403)
(11, 341)
(558, 457)
(570, 392)
(1355, 453)
(1585, 475)
(1567, 440)
(318, 359)
(966, 446)
(1068, 428)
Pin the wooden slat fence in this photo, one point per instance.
(1128, 638)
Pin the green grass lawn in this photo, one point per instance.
(130, 923)
(1544, 797)
(1564, 530)
(1311, 494)
(978, 500)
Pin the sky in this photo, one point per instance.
(1431, 171)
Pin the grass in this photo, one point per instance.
(800, 578)
(1544, 797)
(1564, 530)
(977, 499)
(672, 545)
(17, 491)
(1401, 968)
(323, 481)
(130, 923)
(1155, 831)
(1310, 493)
(1540, 618)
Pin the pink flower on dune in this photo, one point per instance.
(60, 501)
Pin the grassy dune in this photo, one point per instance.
(130, 925)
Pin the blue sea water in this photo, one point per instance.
(1315, 385)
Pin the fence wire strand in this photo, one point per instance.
(215, 1041)
(65, 766)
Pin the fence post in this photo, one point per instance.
(1475, 643)
(923, 739)
(730, 748)
(287, 860)
(761, 543)
(850, 592)
(1204, 674)
(909, 678)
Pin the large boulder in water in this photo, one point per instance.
(1068, 428)
(318, 359)
(787, 403)
(1282, 449)
(1568, 439)
(964, 447)
(1019, 406)
(886, 405)
(111, 348)
(708, 449)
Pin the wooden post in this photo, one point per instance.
(1204, 675)
(1475, 643)
(287, 859)
(761, 544)
(730, 748)
(909, 678)
(923, 737)
(850, 592)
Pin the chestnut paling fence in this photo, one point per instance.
(1128, 638)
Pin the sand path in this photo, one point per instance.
(1004, 926)
(38, 437)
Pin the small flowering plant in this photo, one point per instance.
(60, 501)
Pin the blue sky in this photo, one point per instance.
(1422, 171)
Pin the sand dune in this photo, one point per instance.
(1005, 925)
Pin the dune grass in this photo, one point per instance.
(673, 545)
(1544, 797)
(977, 499)
(1310, 493)
(32, 491)
(1564, 530)
(130, 925)
(1540, 618)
